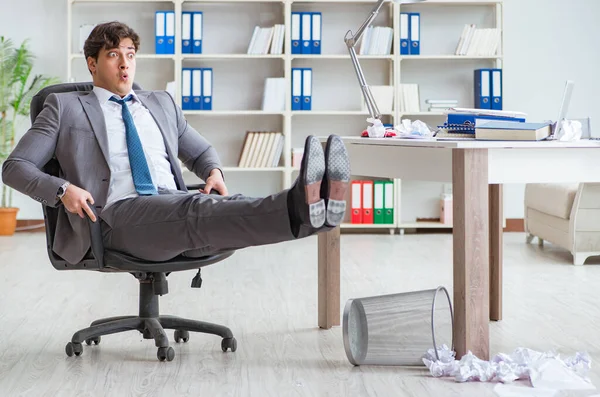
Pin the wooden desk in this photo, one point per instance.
(477, 170)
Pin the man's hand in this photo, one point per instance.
(76, 201)
(215, 181)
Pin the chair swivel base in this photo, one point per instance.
(152, 326)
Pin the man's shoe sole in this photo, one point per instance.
(315, 170)
(338, 178)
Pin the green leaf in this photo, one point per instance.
(37, 84)
(7, 71)
(23, 60)
(5, 140)
(17, 89)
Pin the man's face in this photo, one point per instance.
(115, 68)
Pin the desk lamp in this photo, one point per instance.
(351, 40)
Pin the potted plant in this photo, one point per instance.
(17, 88)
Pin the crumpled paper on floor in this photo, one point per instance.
(551, 373)
(544, 370)
(504, 390)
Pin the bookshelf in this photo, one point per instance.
(239, 77)
(432, 70)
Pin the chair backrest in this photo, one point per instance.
(37, 102)
(53, 168)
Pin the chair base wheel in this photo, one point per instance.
(165, 353)
(182, 335)
(95, 341)
(229, 343)
(74, 348)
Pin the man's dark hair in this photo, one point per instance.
(108, 35)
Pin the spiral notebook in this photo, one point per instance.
(466, 122)
(464, 128)
(445, 135)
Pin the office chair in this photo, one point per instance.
(152, 276)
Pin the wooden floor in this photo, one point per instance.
(268, 296)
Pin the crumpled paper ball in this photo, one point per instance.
(377, 130)
(413, 129)
(571, 131)
(407, 129)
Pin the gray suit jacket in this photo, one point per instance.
(71, 128)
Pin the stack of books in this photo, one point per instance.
(409, 98)
(265, 39)
(473, 41)
(463, 122)
(261, 149)
(274, 94)
(377, 40)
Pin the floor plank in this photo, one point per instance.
(268, 297)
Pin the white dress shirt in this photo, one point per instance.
(121, 181)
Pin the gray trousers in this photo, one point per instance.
(194, 224)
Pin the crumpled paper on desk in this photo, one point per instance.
(407, 129)
(544, 370)
(571, 131)
(377, 130)
(413, 129)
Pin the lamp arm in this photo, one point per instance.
(366, 91)
(351, 40)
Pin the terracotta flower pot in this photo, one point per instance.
(8, 221)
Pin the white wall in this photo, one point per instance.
(45, 27)
(546, 42)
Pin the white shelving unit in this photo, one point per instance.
(239, 77)
(437, 63)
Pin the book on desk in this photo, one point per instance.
(500, 130)
(491, 125)
(463, 120)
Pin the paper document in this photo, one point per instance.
(489, 112)
(522, 391)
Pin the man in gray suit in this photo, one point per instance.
(118, 151)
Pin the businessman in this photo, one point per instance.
(118, 151)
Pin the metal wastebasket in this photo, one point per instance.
(397, 329)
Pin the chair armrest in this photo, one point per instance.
(96, 238)
(196, 186)
(199, 186)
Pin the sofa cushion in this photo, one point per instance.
(551, 198)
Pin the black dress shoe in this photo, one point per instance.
(305, 205)
(336, 180)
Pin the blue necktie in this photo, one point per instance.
(139, 167)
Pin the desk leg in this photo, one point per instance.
(329, 278)
(471, 252)
(496, 231)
